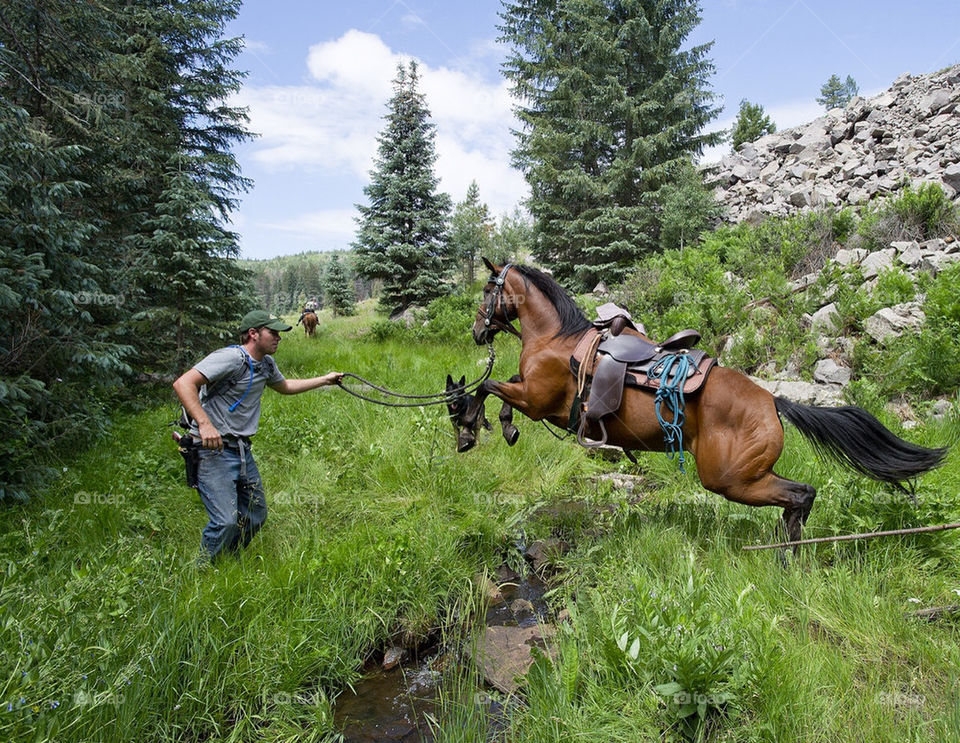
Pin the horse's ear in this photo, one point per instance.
(493, 269)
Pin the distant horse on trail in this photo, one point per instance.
(730, 425)
(309, 323)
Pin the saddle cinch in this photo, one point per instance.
(607, 359)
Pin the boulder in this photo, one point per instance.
(805, 393)
(875, 262)
(891, 322)
(393, 657)
(825, 319)
(504, 654)
(828, 371)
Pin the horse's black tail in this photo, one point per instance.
(853, 437)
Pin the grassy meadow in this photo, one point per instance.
(112, 631)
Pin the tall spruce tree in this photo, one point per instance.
(338, 287)
(115, 172)
(612, 105)
(192, 288)
(471, 231)
(402, 237)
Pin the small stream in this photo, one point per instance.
(394, 706)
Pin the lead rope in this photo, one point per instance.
(672, 372)
(439, 398)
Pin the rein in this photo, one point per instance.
(439, 398)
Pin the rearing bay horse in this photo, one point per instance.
(731, 426)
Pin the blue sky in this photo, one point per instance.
(320, 74)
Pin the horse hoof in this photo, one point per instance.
(463, 446)
(511, 434)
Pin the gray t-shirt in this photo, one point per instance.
(227, 371)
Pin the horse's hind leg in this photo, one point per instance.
(738, 442)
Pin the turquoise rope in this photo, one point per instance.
(672, 372)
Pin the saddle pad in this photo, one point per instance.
(694, 382)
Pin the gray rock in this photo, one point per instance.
(934, 263)
(828, 371)
(854, 155)
(802, 392)
(877, 261)
(825, 319)
(891, 322)
(846, 257)
(935, 100)
(951, 175)
(941, 409)
(911, 257)
(504, 654)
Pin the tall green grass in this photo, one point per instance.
(377, 528)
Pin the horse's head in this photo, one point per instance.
(458, 402)
(499, 305)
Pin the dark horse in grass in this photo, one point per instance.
(732, 426)
(309, 323)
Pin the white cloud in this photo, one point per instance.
(327, 224)
(331, 122)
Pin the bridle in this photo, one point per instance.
(488, 310)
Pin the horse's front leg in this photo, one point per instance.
(513, 393)
(510, 432)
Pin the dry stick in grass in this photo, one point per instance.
(848, 537)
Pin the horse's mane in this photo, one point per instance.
(572, 319)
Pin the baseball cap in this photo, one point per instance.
(262, 319)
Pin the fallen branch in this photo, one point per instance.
(935, 612)
(848, 537)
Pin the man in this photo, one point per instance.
(221, 394)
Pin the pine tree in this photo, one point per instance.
(836, 94)
(61, 313)
(612, 104)
(402, 237)
(512, 238)
(113, 122)
(752, 123)
(338, 288)
(193, 289)
(471, 231)
(689, 208)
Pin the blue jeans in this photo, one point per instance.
(232, 492)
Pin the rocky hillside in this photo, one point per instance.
(851, 155)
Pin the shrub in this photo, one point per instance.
(450, 318)
(922, 363)
(684, 289)
(918, 214)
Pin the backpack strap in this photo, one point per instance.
(245, 363)
(249, 381)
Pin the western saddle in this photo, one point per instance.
(607, 359)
